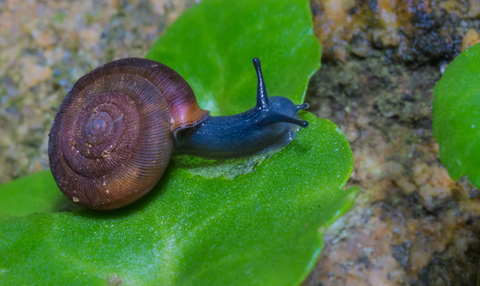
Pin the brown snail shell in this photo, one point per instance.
(113, 135)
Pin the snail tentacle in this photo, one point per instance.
(262, 97)
(275, 117)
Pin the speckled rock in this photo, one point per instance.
(411, 224)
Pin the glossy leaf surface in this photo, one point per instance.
(456, 116)
(259, 229)
(214, 52)
(31, 194)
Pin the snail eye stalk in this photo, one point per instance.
(262, 97)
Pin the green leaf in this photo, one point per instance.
(456, 116)
(212, 46)
(31, 194)
(260, 229)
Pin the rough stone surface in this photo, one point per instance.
(411, 224)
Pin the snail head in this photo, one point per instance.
(276, 109)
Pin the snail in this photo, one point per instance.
(115, 131)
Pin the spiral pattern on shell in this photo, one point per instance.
(112, 138)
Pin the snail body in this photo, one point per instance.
(115, 131)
